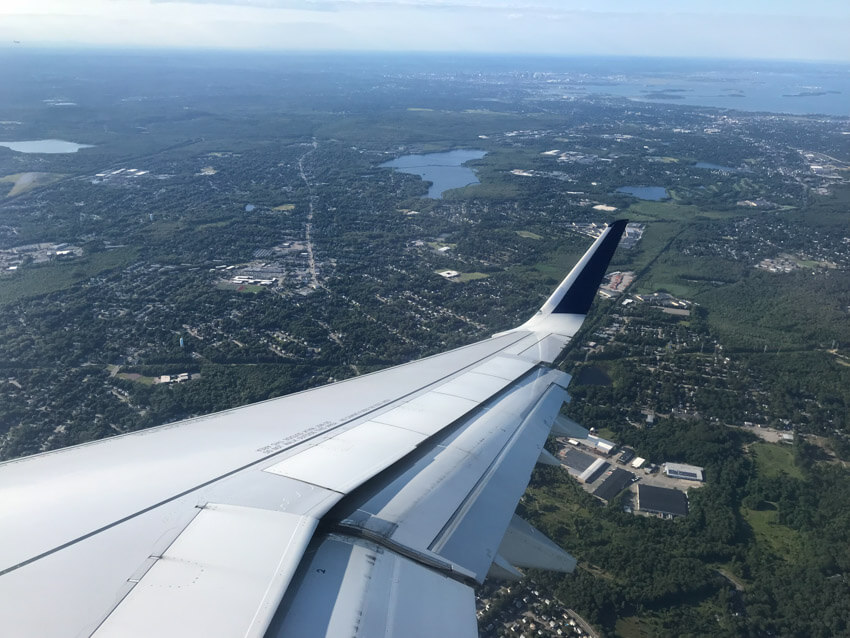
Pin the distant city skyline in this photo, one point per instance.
(760, 29)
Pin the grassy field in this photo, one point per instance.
(774, 459)
(661, 269)
(671, 211)
(645, 260)
(558, 263)
(464, 276)
(483, 191)
(42, 279)
(163, 229)
(632, 627)
(221, 224)
(666, 282)
(654, 240)
(22, 182)
(560, 507)
(606, 433)
(470, 276)
(527, 234)
(646, 211)
(784, 541)
(138, 378)
(243, 288)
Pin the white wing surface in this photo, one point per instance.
(369, 507)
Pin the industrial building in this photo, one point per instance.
(602, 445)
(626, 456)
(613, 484)
(682, 471)
(576, 461)
(594, 471)
(661, 501)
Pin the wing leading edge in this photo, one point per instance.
(354, 508)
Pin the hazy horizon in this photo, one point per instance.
(748, 29)
(74, 47)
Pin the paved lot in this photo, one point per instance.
(658, 479)
(766, 434)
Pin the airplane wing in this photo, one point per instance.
(367, 507)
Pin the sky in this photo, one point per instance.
(759, 29)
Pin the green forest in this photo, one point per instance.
(763, 550)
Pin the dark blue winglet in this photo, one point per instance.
(580, 295)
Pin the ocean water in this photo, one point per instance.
(777, 87)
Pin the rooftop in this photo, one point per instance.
(613, 484)
(577, 461)
(680, 470)
(661, 500)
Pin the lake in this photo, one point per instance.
(651, 193)
(45, 146)
(445, 171)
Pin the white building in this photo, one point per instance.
(682, 471)
(603, 445)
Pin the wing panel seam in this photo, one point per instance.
(241, 468)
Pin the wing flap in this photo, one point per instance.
(423, 494)
(473, 536)
(351, 587)
(345, 461)
(456, 498)
(428, 413)
(473, 386)
(525, 546)
(225, 575)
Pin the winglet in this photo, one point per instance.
(578, 289)
(564, 311)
